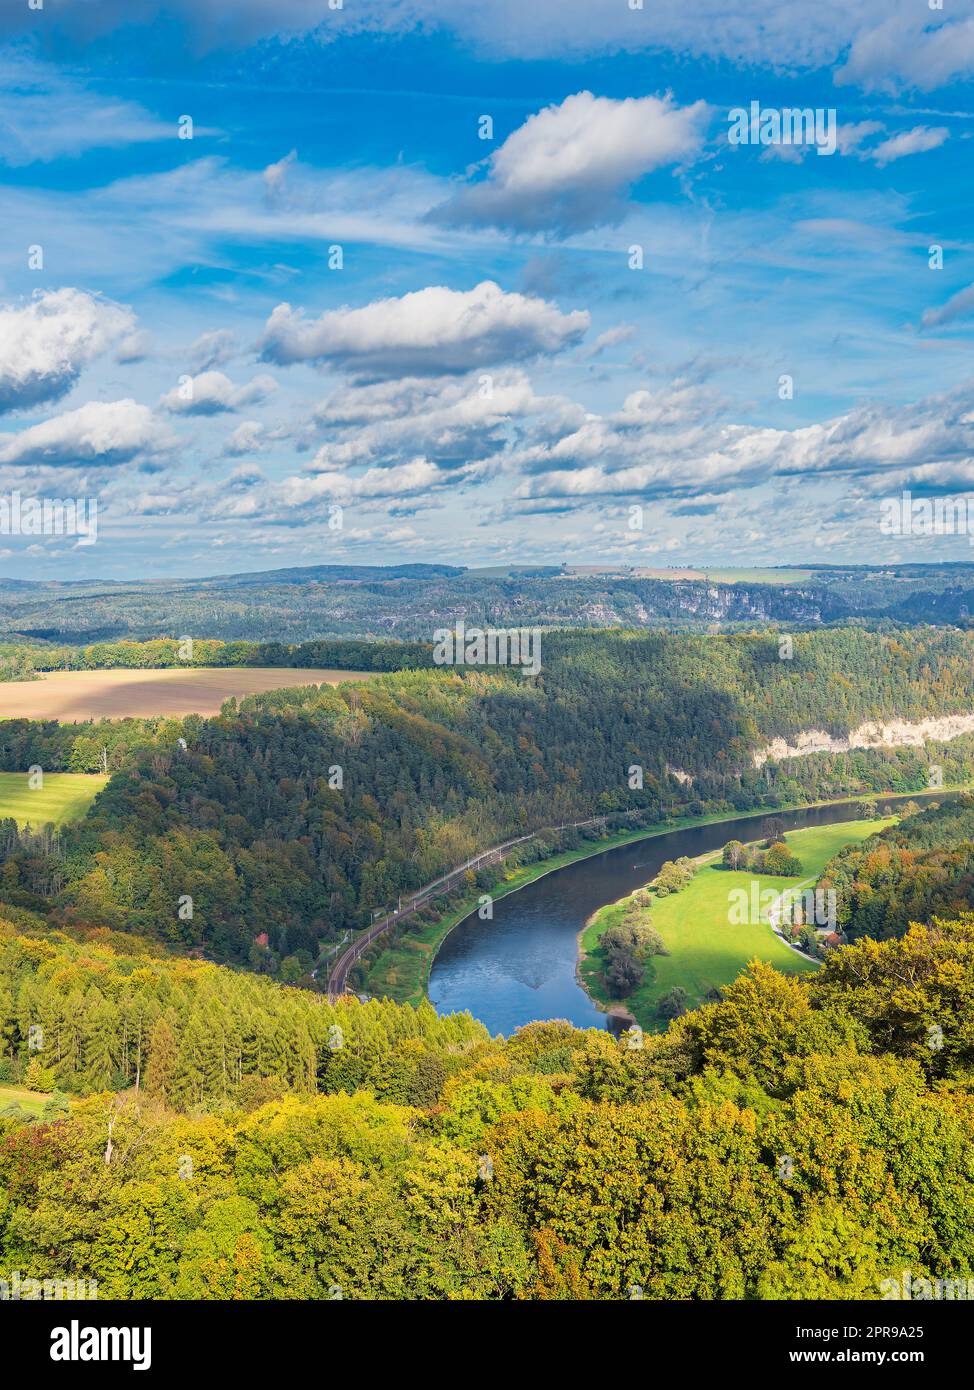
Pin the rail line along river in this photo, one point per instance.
(520, 967)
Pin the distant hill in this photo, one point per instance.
(408, 601)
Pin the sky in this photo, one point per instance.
(290, 282)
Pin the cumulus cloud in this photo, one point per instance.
(433, 331)
(46, 343)
(569, 167)
(101, 432)
(247, 438)
(451, 422)
(670, 443)
(212, 393)
(306, 499)
(416, 475)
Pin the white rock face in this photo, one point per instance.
(682, 777)
(896, 734)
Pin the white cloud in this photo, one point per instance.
(417, 475)
(670, 443)
(892, 42)
(247, 438)
(45, 115)
(958, 306)
(569, 166)
(449, 421)
(203, 212)
(212, 393)
(612, 337)
(134, 348)
(276, 174)
(851, 137)
(859, 139)
(916, 141)
(429, 332)
(304, 499)
(213, 349)
(100, 432)
(45, 343)
(907, 48)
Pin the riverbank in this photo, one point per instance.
(714, 926)
(401, 971)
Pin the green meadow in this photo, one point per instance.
(760, 576)
(706, 950)
(63, 797)
(31, 1101)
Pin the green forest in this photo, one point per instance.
(222, 1137)
(266, 833)
(25, 661)
(910, 872)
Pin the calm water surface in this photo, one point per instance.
(521, 966)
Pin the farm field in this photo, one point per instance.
(74, 696)
(728, 576)
(706, 950)
(63, 797)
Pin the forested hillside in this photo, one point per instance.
(295, 605)
(106, 1013)
(920, 868)
(795, 1140)
(286, 821)
(24, 661)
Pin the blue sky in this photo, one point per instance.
(338, 325)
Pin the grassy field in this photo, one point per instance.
(72, 696)
(706, 950)
(760, 576)
(728, 576)
(64, 796)
(33, 1101)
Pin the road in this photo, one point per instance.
(777, 908)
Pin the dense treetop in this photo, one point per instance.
(910, 872)
(795, 1140)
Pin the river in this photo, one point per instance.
(520, 967)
